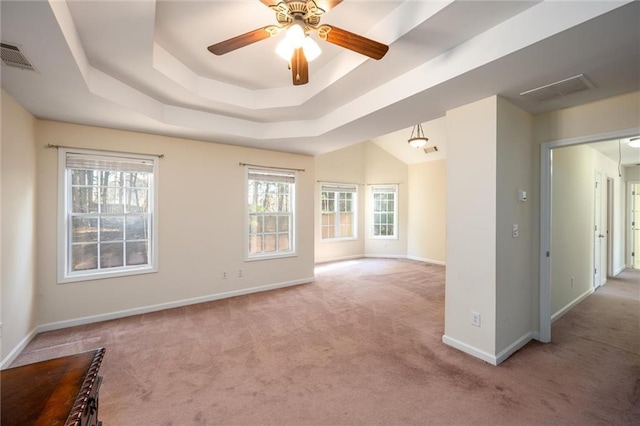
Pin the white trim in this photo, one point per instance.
(570, 305)
(354, 210)
(388, 256)
(396, 209)
(293, 201)
(338, 259)
(426, 260)
(63, 274)
(485, 356)
(628, 215)
(597, 256)
(381, 256)
(11, 356)
(169, 305)
(514, 347)
(545, 217)
(618, 271)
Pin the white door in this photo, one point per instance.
(635, 225)
(598, 232)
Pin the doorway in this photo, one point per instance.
(546, 155)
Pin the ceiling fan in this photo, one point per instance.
(298, 18)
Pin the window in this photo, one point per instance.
(339, 203)
(385, 211)
(107, 206)
(271, 213)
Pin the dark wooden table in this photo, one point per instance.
(61, 391)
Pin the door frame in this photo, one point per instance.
(628, 220)
(546, 171)
(609, 221)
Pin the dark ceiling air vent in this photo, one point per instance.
(12, 56)
(560, 88)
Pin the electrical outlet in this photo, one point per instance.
(475, 319)
(239, 273)
(515, 231)
(224, 275)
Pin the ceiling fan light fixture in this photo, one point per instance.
(417, 139)
(285, 50)
(295, 36)
(294, 39)
(310, 48)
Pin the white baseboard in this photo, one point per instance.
(11, 356)
(485, 356)
(426, 260)
(570, 305)
(619, 270)
(512, 348)
(176, 304)
(386, 256)
(339, 259)
(381, 256)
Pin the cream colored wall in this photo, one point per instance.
(201, 224)
(632, 173)
(18, 197)
(382, 168)
(427, 211)
(422, 198)
(572, 217)
(587, 121)
(346, 165)
(471, 226)
(611, 114)
(515, 273)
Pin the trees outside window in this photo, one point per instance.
(339, 218)
(107, 215)
(384, 210)
(271, 213)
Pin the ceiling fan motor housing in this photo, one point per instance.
(287, 13)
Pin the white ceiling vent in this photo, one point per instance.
(12, 56)
(560, 88)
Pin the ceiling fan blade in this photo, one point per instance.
(270, 3)
(327, 4)
(242, 40)
(351, 41)
(299, 68)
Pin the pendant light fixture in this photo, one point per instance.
(417, 139)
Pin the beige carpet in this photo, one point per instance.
(362, 345)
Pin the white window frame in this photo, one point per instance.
(293, 206)
(338, 188)
(387, 189)
(65, 275)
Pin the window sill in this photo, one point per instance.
(338, 240)
(78, 277)
(270, 256)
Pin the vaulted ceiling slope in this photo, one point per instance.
(143, 65)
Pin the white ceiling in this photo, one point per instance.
(143, 65)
